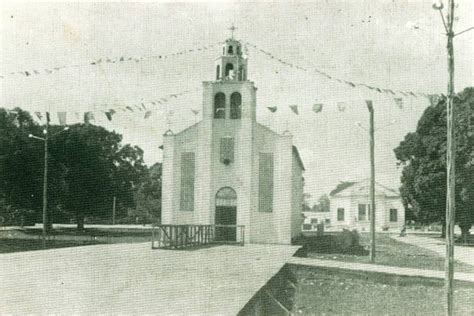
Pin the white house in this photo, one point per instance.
(350, 207)
(229, 169)
(312, 219)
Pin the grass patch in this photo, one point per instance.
(394, 253)
(324, 292)
(19, 245)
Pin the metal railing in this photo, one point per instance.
(187, 236)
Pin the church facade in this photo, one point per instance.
(228, 169)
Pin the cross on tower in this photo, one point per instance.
(232, 29)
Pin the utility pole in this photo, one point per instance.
(45, 183)
(372, 181)
(450, 153)
(450, 166)
(45, 139)
(113, 212)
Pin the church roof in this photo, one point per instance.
(298, 157)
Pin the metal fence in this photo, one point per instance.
(187, 236)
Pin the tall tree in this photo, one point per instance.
(148, 195)
(22, 164)
(423, 157)
(98, 168)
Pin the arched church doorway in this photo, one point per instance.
(226, 214)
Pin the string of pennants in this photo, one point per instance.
(146, 108)
(351, 84)
(105, 60)
(341, 106)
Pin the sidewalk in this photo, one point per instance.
(462, 254)
(382, 269)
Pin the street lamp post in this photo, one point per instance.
(45, 176)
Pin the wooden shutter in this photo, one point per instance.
(265, 185)
(187, 181)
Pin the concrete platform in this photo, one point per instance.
(133, 279)
(380, 269)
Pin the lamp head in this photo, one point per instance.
(30, 135)
(45, 131)
(66, 128)
(437, 5)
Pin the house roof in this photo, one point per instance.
(341, 187)
(351, 188)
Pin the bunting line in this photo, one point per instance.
(346, 82)
(105, 60)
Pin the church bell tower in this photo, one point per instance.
(231, 65)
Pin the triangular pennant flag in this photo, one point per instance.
(399, 102)
(318, 107)
(129, 108)
(108, 115)
(48, 118)
(88, 117)
(195, 112)
(112, 111)
(434, 99)
(147, 114)
(143, 106)
(272, 109)
(341, 106)
(294, 108)
(369, 103)
(39, 115)
(62, 118)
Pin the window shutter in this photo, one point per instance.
(187, 181)
(265, 176)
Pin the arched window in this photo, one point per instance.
(229, 70)
(230, 50)
(241, 73)
(219, 106)
(223, 50)
(218, 72)
(226, 196)
(235, 106)
(238, 50)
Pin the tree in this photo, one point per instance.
(423, 157)
(148, 195)
(98, 168)
(22, 165)
(323, 204)
(306, 197)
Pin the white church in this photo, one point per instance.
(228, 169)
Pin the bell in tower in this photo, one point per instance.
(231, 65)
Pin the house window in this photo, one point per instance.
(219, 106)
(187, 181)
(307, 227)
(227, 150)
(340, 214)
(218, 72)
(230, 50)
(235, 105)
(314, 221)
(362, 212)
(393, 215)
(265, 182)
(327, 221)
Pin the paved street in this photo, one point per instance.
(462, 254)
(133, 279)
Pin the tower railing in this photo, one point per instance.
(188, 236)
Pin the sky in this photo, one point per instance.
(398, 45)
